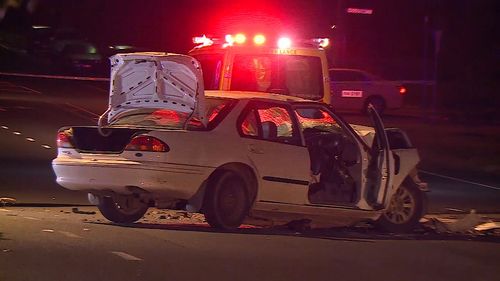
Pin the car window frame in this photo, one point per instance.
(255, 104)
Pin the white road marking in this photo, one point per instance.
(69, 234)
(4, 210)
(29, 89)
(5, 127)
(126, 256)
(30, 139)
(11, 87)
(16, 133)
(461, 180)
(46, 146)
(48, 230)
(32, 218)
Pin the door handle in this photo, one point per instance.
(252, 148)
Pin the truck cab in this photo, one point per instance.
(297, 68)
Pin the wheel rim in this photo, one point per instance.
(128, 205)
(402, 206)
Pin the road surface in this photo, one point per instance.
(57, 244)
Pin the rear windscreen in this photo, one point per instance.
(216, 108)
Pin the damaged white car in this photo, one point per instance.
(234, 156)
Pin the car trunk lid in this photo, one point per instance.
(155, 80)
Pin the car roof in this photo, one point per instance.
(247, 95)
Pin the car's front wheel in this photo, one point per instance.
(226, 200)
(405, 209)
(122, 209)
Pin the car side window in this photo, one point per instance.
(313, 119)
(269, 122)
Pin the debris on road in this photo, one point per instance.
(471, 223)
(488, 226)
(4, 201)
(78, 211)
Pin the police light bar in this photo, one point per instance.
(259, 40)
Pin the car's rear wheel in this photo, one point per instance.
(226, 200)
(377, 102)
(122, 209)
(404, 211)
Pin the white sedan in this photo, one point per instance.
(234, 156)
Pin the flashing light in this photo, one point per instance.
(259, 39)
(284, 43)
(324, 42)
(240, 38)
(203, 40)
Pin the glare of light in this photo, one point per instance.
(240, 38)
(402, 90)
(284, 43)
(324, 42)
(259, 39)
(40, 26)
(203, 40)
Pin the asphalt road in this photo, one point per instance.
(56, 244)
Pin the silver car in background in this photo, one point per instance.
(354, 89)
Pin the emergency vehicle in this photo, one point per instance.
(284, 66)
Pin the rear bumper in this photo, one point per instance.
(173, 180)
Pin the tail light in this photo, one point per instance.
(402, 90)
(64, 140)
(147, 143)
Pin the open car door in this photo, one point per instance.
(380, 172)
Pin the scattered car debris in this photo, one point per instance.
(163, 217)
(4, 201)
(471, 223)
(78, 211)
(488, 226)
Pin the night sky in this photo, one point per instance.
(396, 41)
